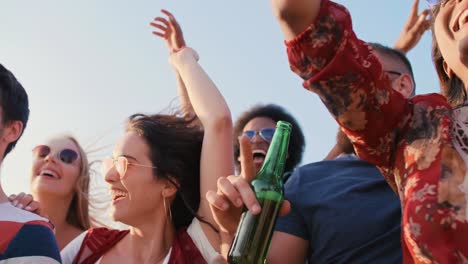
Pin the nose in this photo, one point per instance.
(51, 157)
(112, 175)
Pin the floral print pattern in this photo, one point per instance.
(420, 144)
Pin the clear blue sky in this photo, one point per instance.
(87, 65)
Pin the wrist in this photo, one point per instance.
(183, 56)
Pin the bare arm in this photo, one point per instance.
(214, 114)
(185, 104)
(286, 248)
(294, 16)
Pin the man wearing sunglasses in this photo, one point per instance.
(24, 237)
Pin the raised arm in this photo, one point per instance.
(214, 114)
(349, 79)
(294, 16)
(174, 38)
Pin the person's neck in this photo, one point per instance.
(150, 240)
(56, 209)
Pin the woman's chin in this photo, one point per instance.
(46, 186)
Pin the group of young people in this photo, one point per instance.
(181, 181)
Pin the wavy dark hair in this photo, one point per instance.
(175, 146)
(452, 88)
(13, 101)
(276, 113)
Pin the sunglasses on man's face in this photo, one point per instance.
(67, 156)
(265, 133)
(121, 165)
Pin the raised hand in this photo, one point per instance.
(168, 29)
(25, 202)
(414, 28)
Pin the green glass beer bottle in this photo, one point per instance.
(253, 235)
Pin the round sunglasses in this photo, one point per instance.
(265, 133)
(67, 156)
(121, 165)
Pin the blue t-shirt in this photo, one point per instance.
(346, 211)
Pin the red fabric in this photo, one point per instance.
(100, 240)
(184, 251)
(9, 229)
(97, 242)
(409, 140)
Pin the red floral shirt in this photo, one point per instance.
(414, 142)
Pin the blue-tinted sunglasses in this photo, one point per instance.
(265, 133)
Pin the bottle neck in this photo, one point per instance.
(273, 167)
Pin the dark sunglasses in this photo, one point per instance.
(265, 133)
(67, 156)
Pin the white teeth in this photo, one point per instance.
(117, 193)
(259, 151)
(49, 172)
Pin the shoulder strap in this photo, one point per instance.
(184, 251)
(97, 242)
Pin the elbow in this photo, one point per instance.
(220, 122)
(282, 10)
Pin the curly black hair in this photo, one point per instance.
(276, 113)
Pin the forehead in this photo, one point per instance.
(259, 123)
(61, 143)
(132, 144)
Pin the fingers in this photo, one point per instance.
(285, 208)
(33, 207)
(17, 198)
(246, 159)
(11, 198)
(414, 9)
(235, 191)
(22, 200)
(217, 201)
(246, 193)
(161, 24)
(172, 21)
(167, 13)
(423, 23)
(225, 187)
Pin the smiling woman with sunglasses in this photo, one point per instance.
(159, 170)
(60, 176)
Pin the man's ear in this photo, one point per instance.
(405, 85)
(447, 70)
(12, 131)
